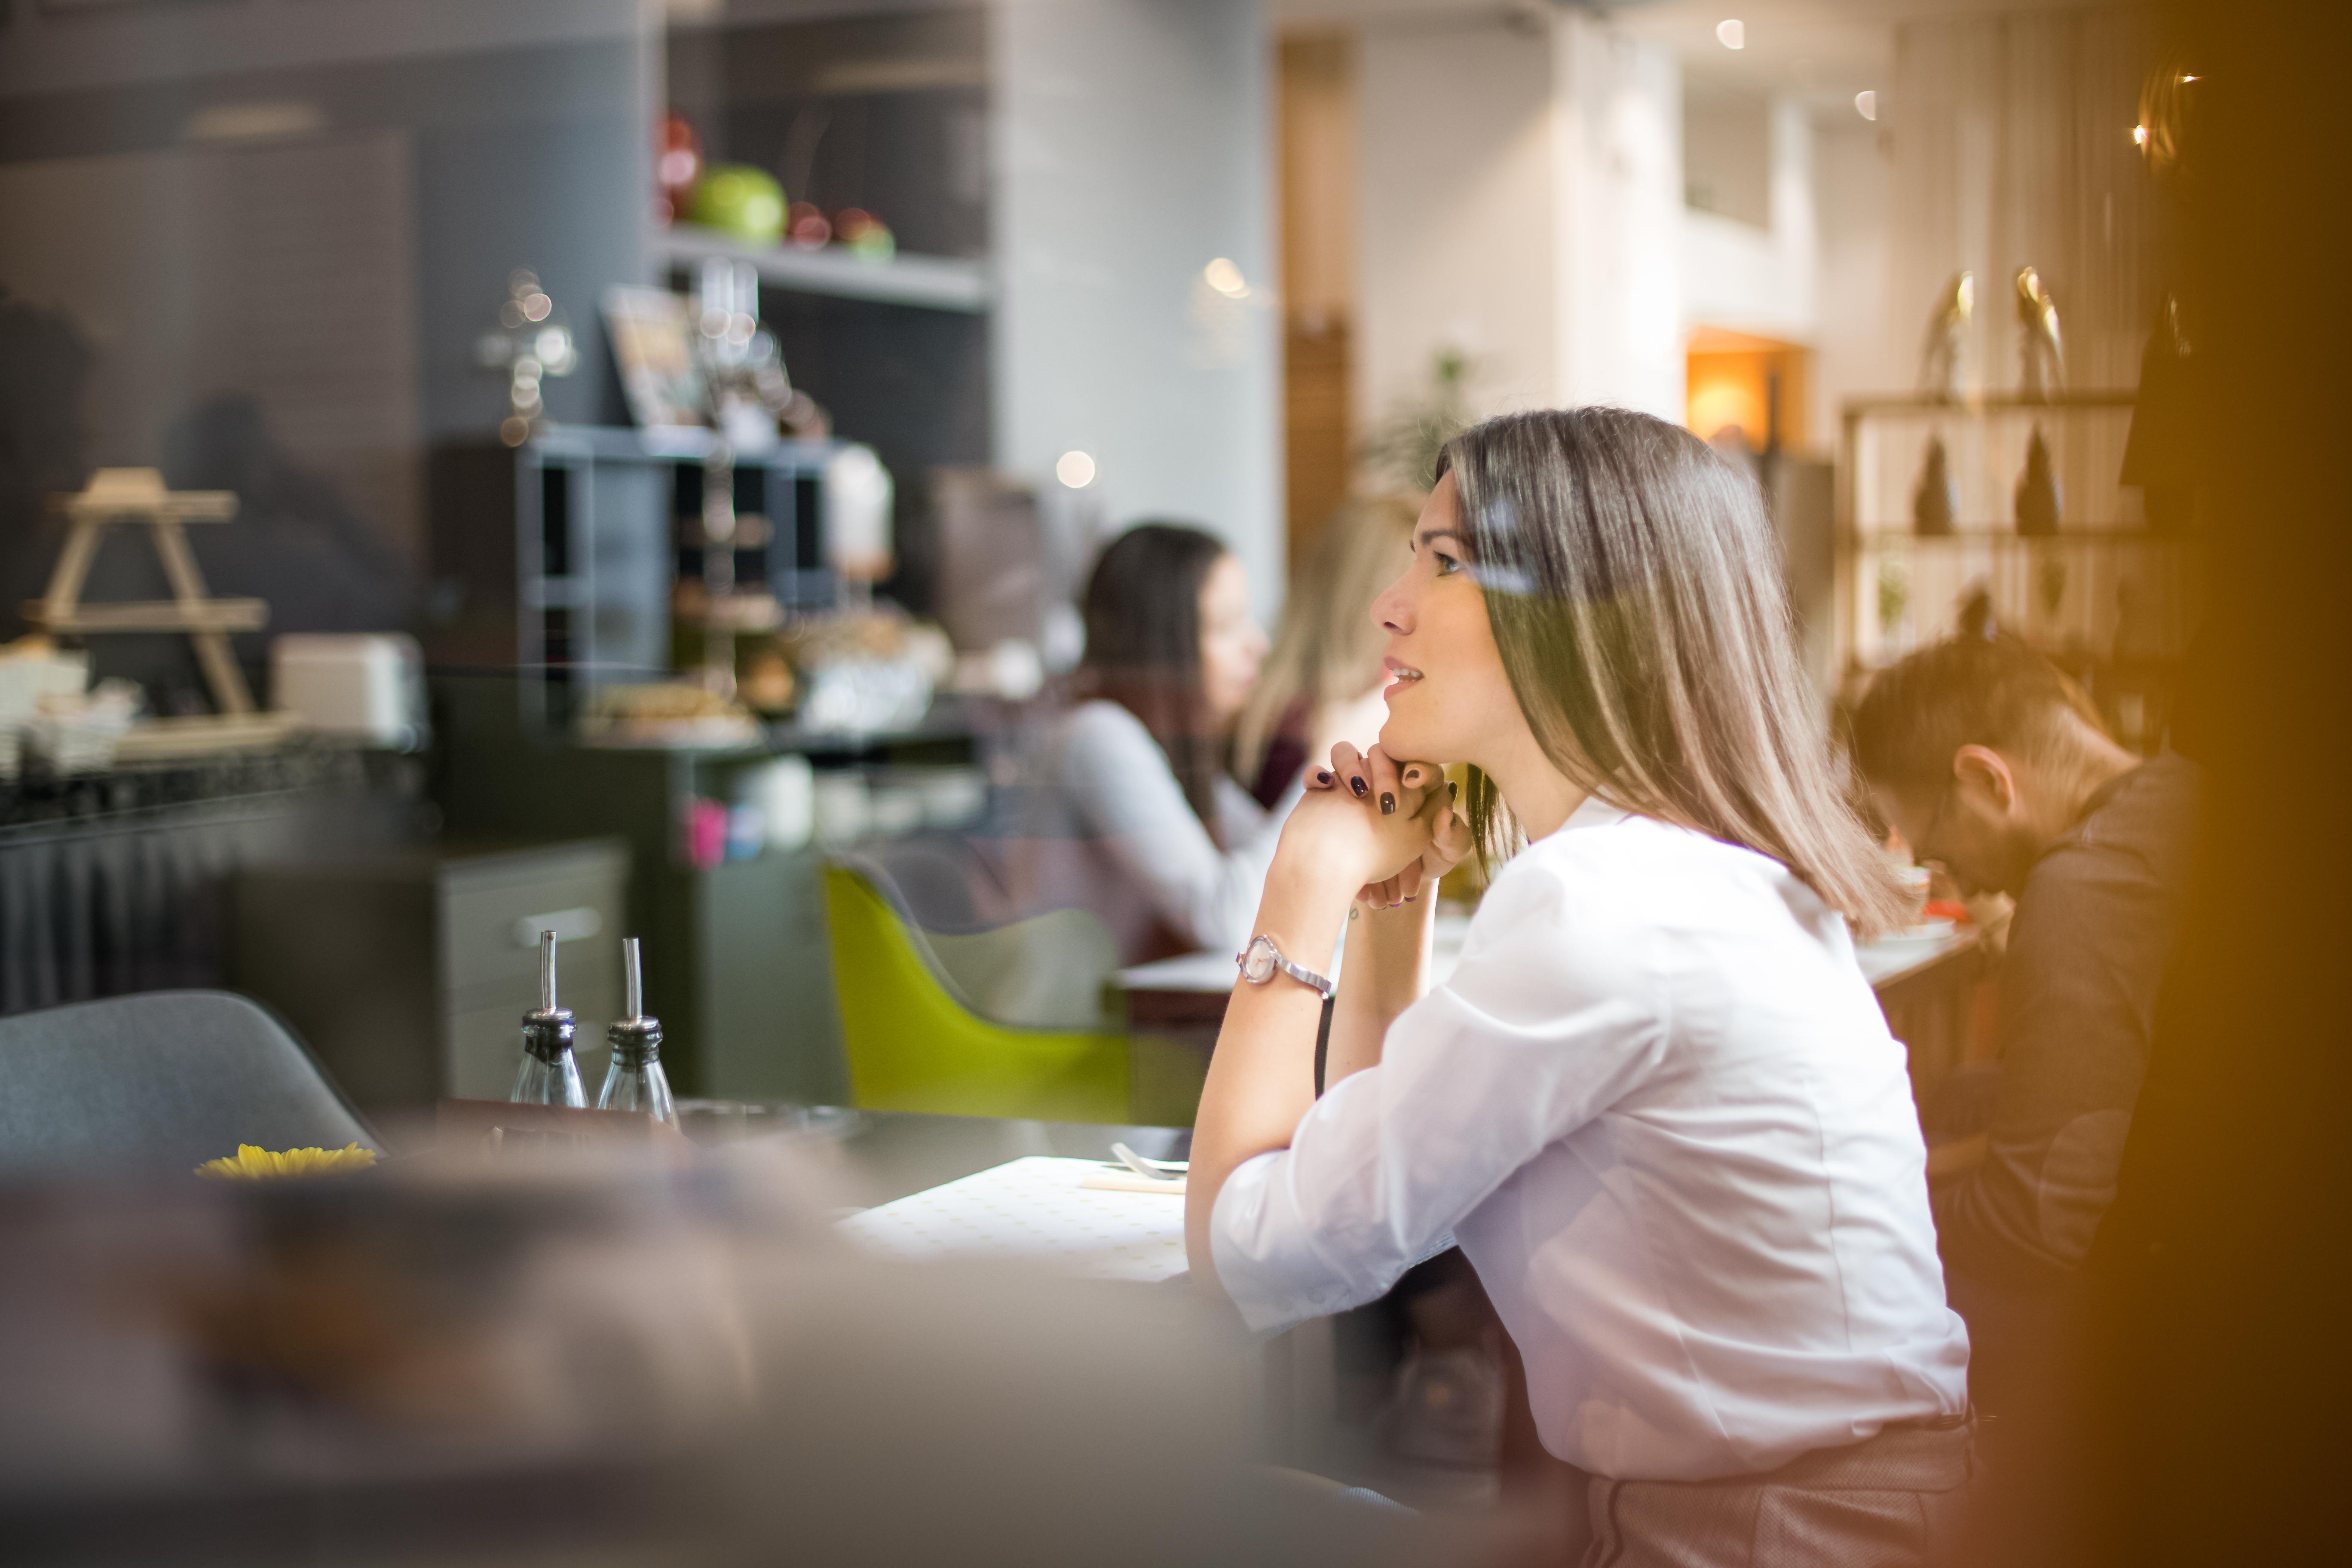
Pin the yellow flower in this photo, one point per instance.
(255, 1165)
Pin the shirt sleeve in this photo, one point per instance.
(2078, 992)
(1547, 1021)
(1128, 798)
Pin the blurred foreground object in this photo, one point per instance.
(550, 1074)
(2040, 508)
(2164, 116)
(156, 1083)
(531, 344)
(867, 237)
(542, 1360)
(367, 687)
(1940, 356)
(33, 671)
(867, 670)
(739, 200)
(2162, 455)
(634, 1080)
(858, 492)
(253, 1164)
(667, 713)
(1935, 499)
(138, 496)
(2043, 367)
(677, 163)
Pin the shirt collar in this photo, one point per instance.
(1594, 813)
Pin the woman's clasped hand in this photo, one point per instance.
(1386, 828)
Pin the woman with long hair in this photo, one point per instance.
(1656, 1103)
(1142, 822)
(1322, 681)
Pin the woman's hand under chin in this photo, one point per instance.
(1388, 829)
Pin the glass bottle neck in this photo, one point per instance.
(547, 1036)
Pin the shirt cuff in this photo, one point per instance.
(1252, 1265)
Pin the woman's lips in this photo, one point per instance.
(1400, 676)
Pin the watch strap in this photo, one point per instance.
(1281, 963)
(1322, 1045)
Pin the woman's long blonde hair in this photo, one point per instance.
(1634, 588)
(1327, 648)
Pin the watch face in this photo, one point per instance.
(1257, 962)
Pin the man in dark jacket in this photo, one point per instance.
(1990, 761)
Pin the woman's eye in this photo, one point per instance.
(1446, 564)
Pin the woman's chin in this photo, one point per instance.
(1398, 739)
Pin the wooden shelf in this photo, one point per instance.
(928, 282)
(155, 615)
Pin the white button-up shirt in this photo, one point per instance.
(1658, 1106)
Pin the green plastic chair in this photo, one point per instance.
(914, 1042)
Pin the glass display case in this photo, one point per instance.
(2011, 508)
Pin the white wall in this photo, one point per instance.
(1521, 200)
(1618, 175)
(1761, 279)
(1134, 146)
(1862, 346)
(1454, 208)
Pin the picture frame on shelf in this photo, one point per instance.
(653, 348)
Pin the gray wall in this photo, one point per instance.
(1131, 149)
(456, 140)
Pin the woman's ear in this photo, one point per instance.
(1985, 774)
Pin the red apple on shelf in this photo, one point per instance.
(806, 226)
(866, 235)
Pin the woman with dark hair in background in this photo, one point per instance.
(1132, 811)
(1322, 681)
(1655, 1104)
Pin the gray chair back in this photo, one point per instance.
(164, 1080)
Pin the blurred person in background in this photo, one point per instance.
(1322, 681)
(1989, 760)
(1656, 1104)
(1990, 763)
(1132, 811)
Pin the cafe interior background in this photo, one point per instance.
(627, 470)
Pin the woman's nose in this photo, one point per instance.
(1392, 611)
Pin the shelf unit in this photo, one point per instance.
(566, 548)
(2107, 599)
(927, 282)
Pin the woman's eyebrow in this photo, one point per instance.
(1431, 535)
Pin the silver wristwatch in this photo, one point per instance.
(1260, 959)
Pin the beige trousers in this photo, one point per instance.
(1897, 1500)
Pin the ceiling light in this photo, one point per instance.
(1076, 470)
(1865, 103)
(1225, 277)
(1732, 34)
(2139, 135)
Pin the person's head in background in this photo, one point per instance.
(1323, 679)
(1981, 753)
(1594, 609)
(1170, 638)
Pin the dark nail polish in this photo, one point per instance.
(1413, 776)
(1388, 804)
(1358, 786)
(1322, 776)
(1453, 791)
